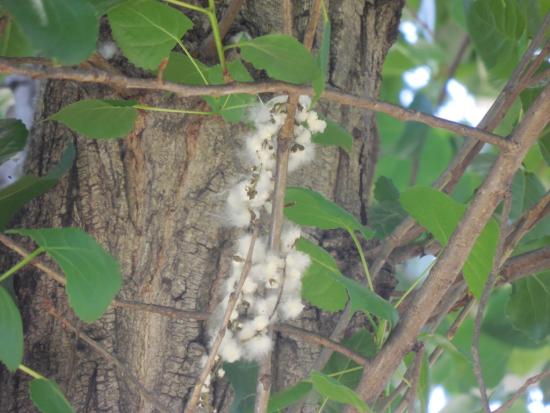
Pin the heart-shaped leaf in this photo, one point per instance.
(99, 119)
(48, 397)
(320, 284)
(13, 137)
(282, 57)
(13, 197)
(147, 31)
(93, 275)
(440, 214)
(306, 207)
(11, 332)
(60, 29)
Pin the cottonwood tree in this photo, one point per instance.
(229, 162)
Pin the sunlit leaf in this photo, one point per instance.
(99, 119)
(282, 57)
(11, 332)
(147, 31)
(93, 275)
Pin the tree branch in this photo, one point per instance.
(218, 338)
(13, 65)
(452, 258)
(526, 264)
(529, 382)
(102, 351)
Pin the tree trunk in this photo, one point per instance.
(155, 201)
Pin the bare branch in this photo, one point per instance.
(102, 351)
(457, 250)
(478, 372)
(452, 68)
(322, 341)
(526, 264)
(12, 65)
(218, 338)
(529, 382)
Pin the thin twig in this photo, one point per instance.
(483, 301)
(529, 382)
(208, 46)
(322, 341)
(414, 377)
(12, 65)
(102, 351)
(453, 68)
(218, 338)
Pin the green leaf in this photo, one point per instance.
(11, 332)
(103, 6)
(440, 214)
(231, 107)
(387, 213)
(60, 29)
(180, 69)
(287, 397)
(99, 119)
(335, 135)
(14, 196)
(13, 137)
(361, 342)
(322, 60)
(147, 30)
(282, 57)
(93, 275)
(309, 208)
(495, 27)
(362, 298)
(243, 377)
(332, 390)
(13, 42)
(529, 306)
(320, 285)
(48, 397)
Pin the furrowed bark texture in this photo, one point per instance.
(155, 201)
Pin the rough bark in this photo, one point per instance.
(155, 201)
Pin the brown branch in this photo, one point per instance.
(218, 338)
(453, 68)
(111, 359)
(526, 222)
(452, 258)
(526, 264)
(322, 341)
(414, 378)
(12, 65)
(208, 46)
(484, 300)
(529, 382)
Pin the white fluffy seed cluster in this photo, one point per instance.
(272, 290)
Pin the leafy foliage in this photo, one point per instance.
(93, 275)
(13, 138)
(11, 332)
(147, 30)
(64, 30)
(48, 397)
(99, 119)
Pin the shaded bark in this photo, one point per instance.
(155, 201)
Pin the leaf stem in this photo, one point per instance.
(188, 6)
(346, 371)
(30, 372)
(21, 263)
(193, 61)
(169, 110)
(362, 256)
(217, 35)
